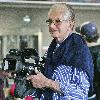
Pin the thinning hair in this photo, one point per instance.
(65, 9)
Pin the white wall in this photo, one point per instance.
(11, 20)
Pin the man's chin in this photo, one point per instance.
(53, 35)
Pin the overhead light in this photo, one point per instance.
(26, 18)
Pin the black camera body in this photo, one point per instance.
(22, 63)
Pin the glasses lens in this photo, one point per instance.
(49, 21)
(57, 21)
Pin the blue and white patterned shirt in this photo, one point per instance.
(73, 84)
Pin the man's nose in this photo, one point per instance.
(52, 24)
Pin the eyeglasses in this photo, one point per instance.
(56, 22)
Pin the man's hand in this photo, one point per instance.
(39, 80)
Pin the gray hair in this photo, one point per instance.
(65, 9)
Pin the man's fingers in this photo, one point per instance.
(36, 71)
(30, 77)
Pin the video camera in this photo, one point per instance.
(22, 63)
(25, 60)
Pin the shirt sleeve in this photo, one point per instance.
(73, 81)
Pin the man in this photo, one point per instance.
(3, 76)
(90, 33)
(68, 68)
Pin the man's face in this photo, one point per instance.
(59, 28)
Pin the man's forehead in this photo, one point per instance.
(55, 15)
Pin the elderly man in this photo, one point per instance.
(69, 67)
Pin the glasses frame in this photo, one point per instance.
(55, 22)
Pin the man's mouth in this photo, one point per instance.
(52, 31)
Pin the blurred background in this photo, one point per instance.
(23, 22)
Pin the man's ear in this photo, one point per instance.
(72, 24)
